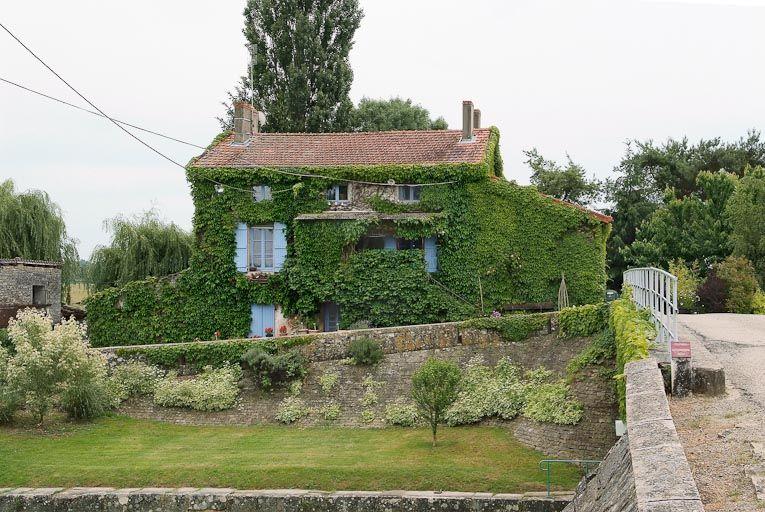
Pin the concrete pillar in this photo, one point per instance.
(467, 120)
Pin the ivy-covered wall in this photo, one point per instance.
(493, 235)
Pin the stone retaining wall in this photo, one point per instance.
(188, 499)
(647, 470)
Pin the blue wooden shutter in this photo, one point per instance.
(262, 317)
(240, 257)
(390, 243)
(280, 245)
(431, 253)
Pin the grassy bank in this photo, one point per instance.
(122, 452)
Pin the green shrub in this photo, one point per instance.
(713, 294)
(741, 279)
(215, 389)
(511, 327)
(758, 303)
(88, 396)
(688, 282)
(135, 378)
(331, 411)
(272, 369)
(5, 340)
(328, 381)
(633, 335)
(367, 416)
(10, 397)
(550, 403)
(402, 414)
(211, 353)
(435, 387)
(601, 350)
(365, 351)
(291, 409)
(583, 321)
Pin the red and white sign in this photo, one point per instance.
(681, 349)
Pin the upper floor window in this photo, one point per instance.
(409, 193)
(261, 248)
(403, 244)
(372, 242)
(337, 194)
(261, 193)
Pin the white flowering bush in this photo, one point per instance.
(550, 403)
(215, 389)
(53, 366)
(292, 409)
(505, 392)
(328, 381)
(402, 414)
(331, 411)
(10, 397)
(135, 378)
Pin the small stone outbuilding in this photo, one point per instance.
(29, 284)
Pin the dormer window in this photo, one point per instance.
(409, 193)
(337, 194)
(261, 193)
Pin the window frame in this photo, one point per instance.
(406, 193)
(262, 250)
(264, 191)
(333, 194)
(42, 293)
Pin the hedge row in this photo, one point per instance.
(511, 327)
(583, 321)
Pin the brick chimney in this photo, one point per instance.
(467, 121)
(245, 121)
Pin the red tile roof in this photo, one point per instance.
(337, 149)
(594, 213)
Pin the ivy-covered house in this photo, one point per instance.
(336, 230)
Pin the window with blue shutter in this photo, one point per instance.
(240, 256)
(431, 253)
(280, 245)
(263, 317)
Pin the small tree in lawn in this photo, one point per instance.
(434, 389)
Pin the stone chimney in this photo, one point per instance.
(245, 121)
(467, 121)
(476, 119)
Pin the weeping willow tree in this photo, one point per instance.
(32, 227)
(140, 247)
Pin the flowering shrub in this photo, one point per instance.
(135, 378)
(52, 366)
(292, 409)
(328, 380)
(505, 392)
(550, 403)
(402, 414)
(331, 411)
(212, 390)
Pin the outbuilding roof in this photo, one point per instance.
(423, 147)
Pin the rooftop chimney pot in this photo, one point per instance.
(245, 121)
(476, 119)
(467, 121)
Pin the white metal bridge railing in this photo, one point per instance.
(656, 290)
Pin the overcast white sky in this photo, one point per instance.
(565, 76)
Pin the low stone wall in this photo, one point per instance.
(188, 499)
(591, 437)
(647, 470)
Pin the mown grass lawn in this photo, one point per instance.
(123, 452)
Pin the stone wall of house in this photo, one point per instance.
(106, 499)
(17, 278)
(646, 471)
(405, 353)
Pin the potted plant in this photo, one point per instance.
(269, 332)
(283, 330)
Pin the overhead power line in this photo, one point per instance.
(28, 89)
(119, 124)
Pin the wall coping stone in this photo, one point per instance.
(184, 499)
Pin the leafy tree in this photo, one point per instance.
(691, 228)
(746, 214)
(140, 247)
(393, 114)
(688, 283)
(302, 75)
(648, 170)
(738, 274)
(568, 183)
(435, 387)
(32, 227)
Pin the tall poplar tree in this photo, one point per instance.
(302, 75)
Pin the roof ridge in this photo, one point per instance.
(325, 134)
